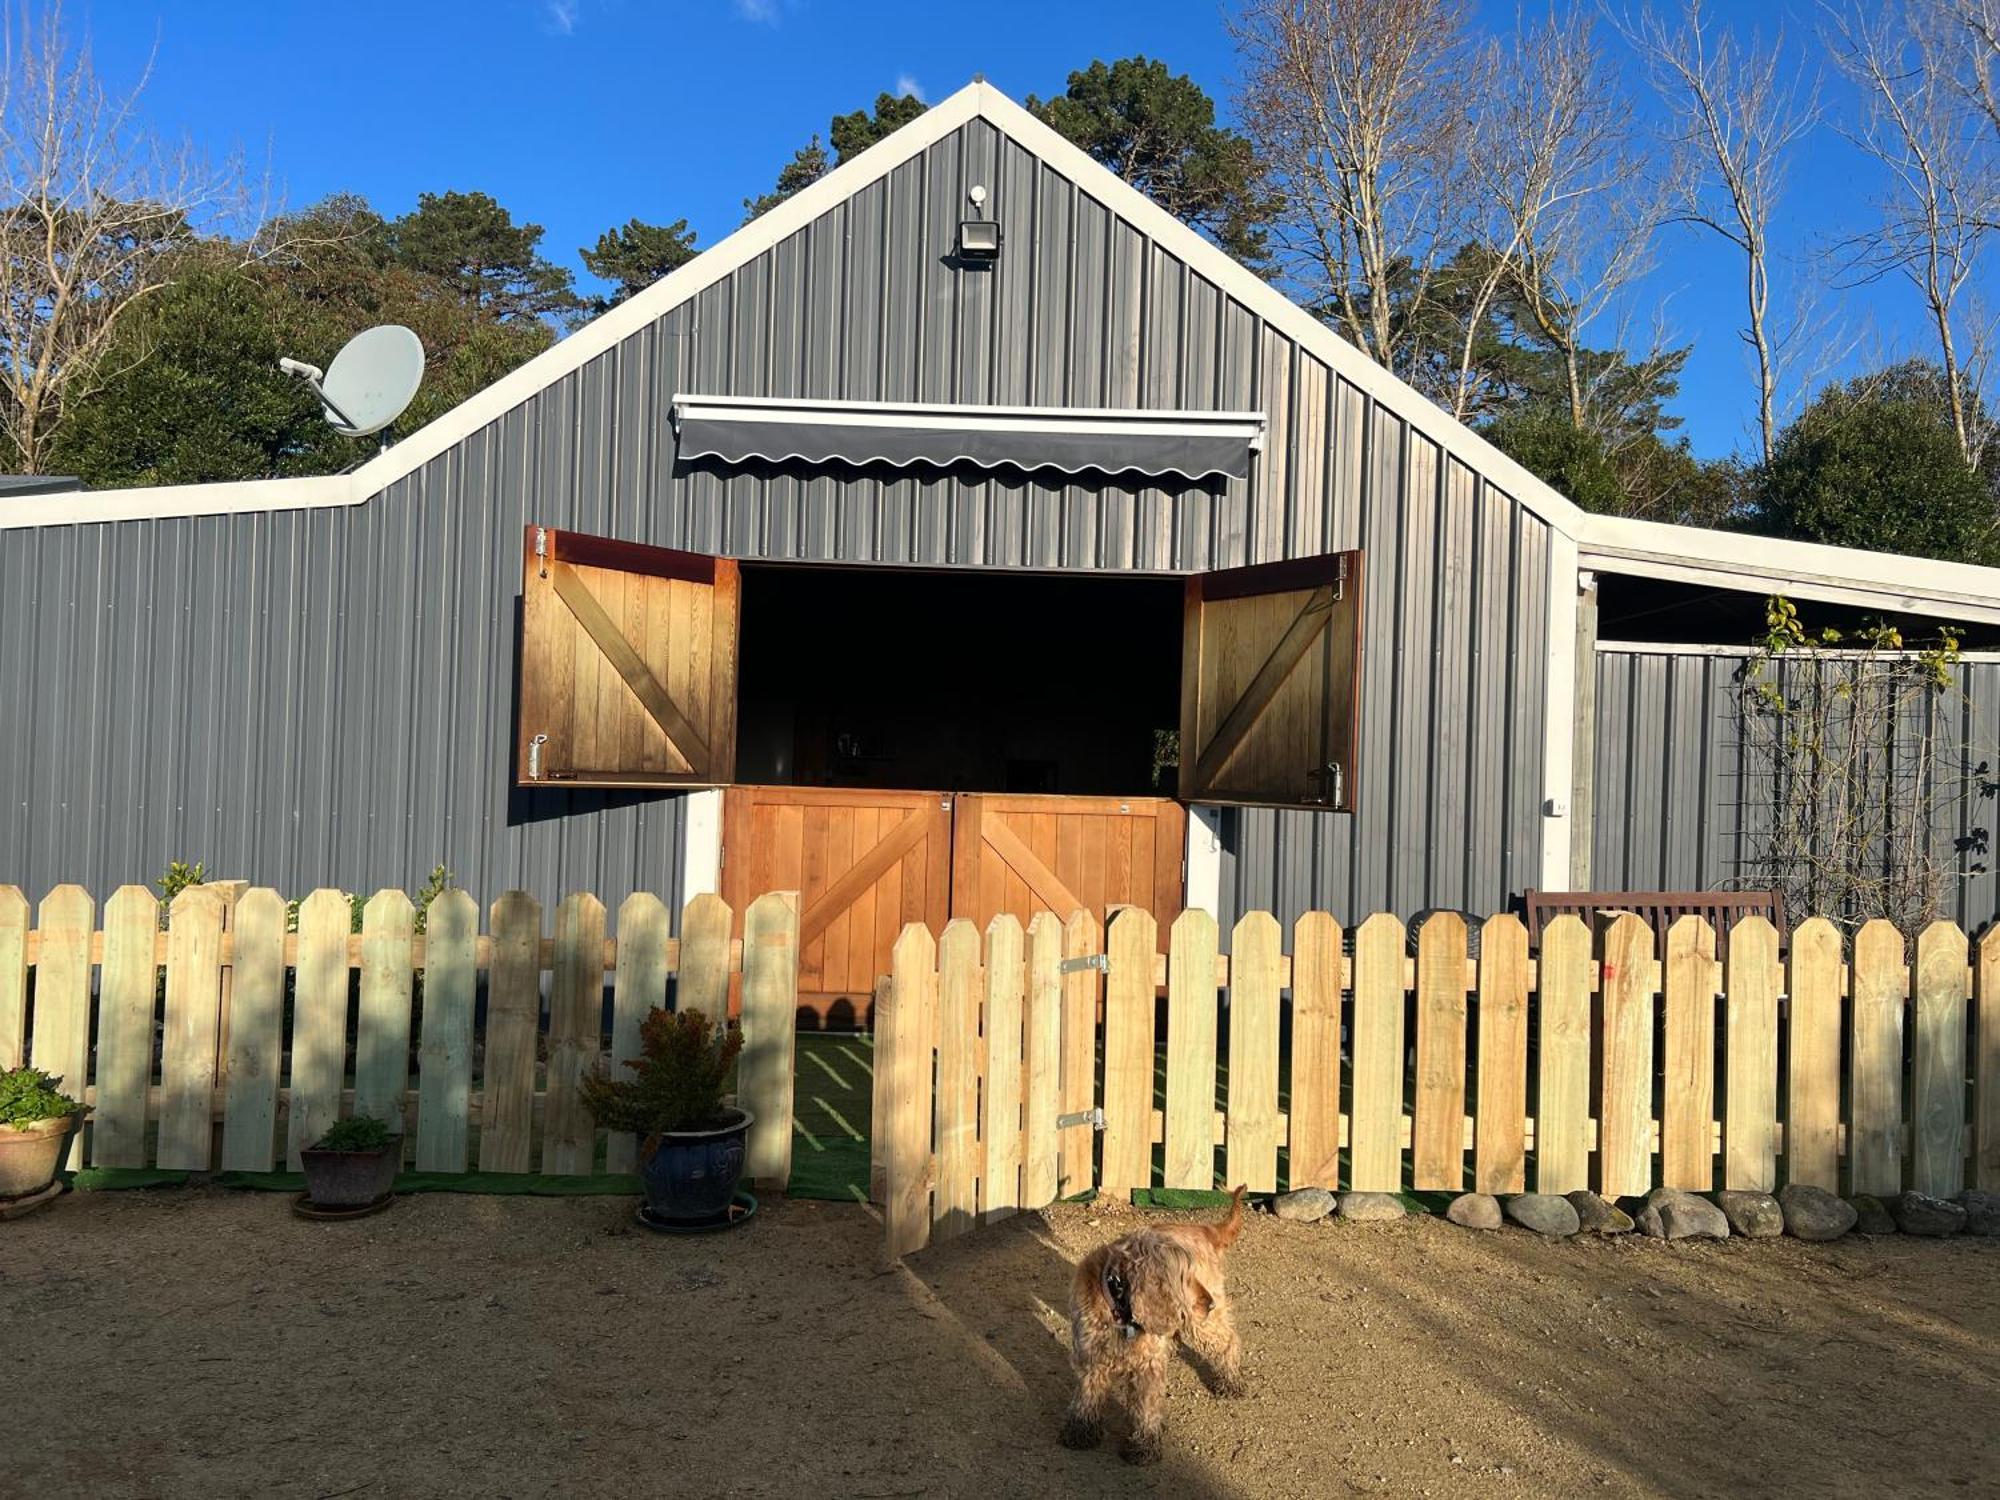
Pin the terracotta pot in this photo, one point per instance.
(692, 1174)
(29, 1154)
(350, 1179)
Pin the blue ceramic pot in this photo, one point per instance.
(692, 1174)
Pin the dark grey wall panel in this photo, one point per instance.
(327, 696)
(1685, 799)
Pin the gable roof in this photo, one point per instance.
(1613, 543)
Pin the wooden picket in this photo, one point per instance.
(127, 988)
(14, 927)
(444, 1051)
(61, 1042)
(513, 1028)
(1649, 1060)
(770, 1020)
(382, 1036)
(192, 1031)
(255, 1053)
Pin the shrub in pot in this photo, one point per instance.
(690, 1141)
(353, 1165)
(36, 1119)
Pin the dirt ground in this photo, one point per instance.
(200, 1342)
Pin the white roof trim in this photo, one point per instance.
(1616, 543)
(1745, 653)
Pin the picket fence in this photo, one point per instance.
(1601, 1062)
(241, 1057)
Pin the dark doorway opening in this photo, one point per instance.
(959, 681)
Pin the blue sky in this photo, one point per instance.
(578, 114)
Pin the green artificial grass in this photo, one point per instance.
(832, 1111)
(118, 1179)
(496, 1184)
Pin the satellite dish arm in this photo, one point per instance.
(312, 375)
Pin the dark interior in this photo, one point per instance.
(958, 681)
(1656, 609)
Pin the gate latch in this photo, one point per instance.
(1094, 1118)
(1098, 961)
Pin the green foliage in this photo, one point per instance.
(1872, 466)
(360, 1133)
(29, 1094)
(678, 1078)
(851, 135)
(178, 877)
(469, 243)
(636, 255)
(1157, 130)
(1543, 440)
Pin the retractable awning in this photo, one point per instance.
(1192, 445)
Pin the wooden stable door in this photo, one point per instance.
(1024, 855)
(627, 664)
(863, 862)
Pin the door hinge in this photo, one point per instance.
(1094, 1118)
(1332, 785)
(1340, 577)
(535, 756)
(1098, 961)
(542, 549)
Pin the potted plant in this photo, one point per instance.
(691, 1142)
(36, 1119)
(353, 1165)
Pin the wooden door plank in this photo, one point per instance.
(382, 1035)
(127, 987)
(1437, 1141)
(513, 1032)
(1499, 1136)
(576, 1012)
(686, 742)
(1875, 1053)
(838, 933)
(1042, 1091)
(770, 1023)
(1127, 1151)
(957, 1128)
(1243, 715)
(1812, 1089)
(1253, 1130)
(444, 1056)
(256, 1042)
(1625, 1123)
(639, 988)
(1314, 1149)
(1687, 1125)
(1750, 1111)
(1040, 879)
(1191, 1006)
(1562, 1079)
(861, 876)
(1001, 1090)
(1375, 1144)
(1937, 1070)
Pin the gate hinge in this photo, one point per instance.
(542, 549)
(535, 756)
(1094, 1118)
(1340, 577)
(1098, 961)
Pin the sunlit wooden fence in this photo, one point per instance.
(1601, 1061)
(234, 1037)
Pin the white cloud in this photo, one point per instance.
(562, 15)
(763, 12)
(905, 84)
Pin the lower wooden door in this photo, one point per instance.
(863, 862)
(1029, 854)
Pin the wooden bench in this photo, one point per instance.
(1658, 909)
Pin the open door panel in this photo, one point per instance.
(627, 664)
(1268, 679)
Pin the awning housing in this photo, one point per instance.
(1189, 445)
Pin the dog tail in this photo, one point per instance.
(1223, 1235)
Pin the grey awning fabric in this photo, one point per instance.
(1192, 445)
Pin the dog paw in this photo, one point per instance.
(1077, 1432)
(1141, 1451)
(1230, 1387)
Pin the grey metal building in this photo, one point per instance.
(316, 682)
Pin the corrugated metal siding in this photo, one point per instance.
(1684, 801)
(327, 696)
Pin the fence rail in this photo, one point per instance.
(1616, 1060)
(225, 1039)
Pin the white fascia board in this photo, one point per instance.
(155, 502)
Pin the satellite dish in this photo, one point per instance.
(370, 382)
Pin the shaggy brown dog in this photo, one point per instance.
(1131, 1299)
